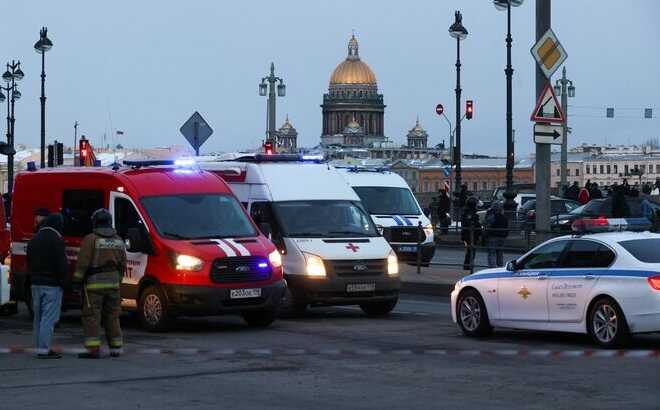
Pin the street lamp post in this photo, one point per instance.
(565, 88)
(13, 74)
(267, 86)
(509, 195)
(42, 46)
(457, 31)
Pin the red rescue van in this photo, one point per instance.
(192, 248)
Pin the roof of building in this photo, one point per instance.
(353, 70)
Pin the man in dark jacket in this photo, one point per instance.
(444, 206)
(470, 231)
(47, 268)
(496, 232)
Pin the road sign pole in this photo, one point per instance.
(196, 138)
(543, 9)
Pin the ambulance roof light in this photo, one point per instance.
(184, 162)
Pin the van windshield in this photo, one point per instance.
(387, 200)
(323, 219)
(198, 216)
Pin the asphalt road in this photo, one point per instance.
(331, 358)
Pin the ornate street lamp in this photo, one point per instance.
(267, 87)
(42, 46)
(13, 74)
(509, 195)
(459, 32)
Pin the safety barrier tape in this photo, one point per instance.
(264, 352)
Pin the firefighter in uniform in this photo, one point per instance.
(101, 265)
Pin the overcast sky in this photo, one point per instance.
(144, 66)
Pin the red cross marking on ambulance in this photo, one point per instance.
(352, 247)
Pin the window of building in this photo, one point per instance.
(78, 205)
(642, 168)
(595, 171)
(609, 169)
(588, 169)
(568, 172)
(602, 169)
(426, 186)
(625, 169)
(475, 186)
(558, 172)
(657, 168)
(577, 172)
(616, 169)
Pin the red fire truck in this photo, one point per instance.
(192, 249)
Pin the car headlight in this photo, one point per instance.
(564, 222)
(275, 259)
(187, 262)
(392, 264)
(428, 230)
(314, 265)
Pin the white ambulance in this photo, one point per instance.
(331, 249)
(395, 211)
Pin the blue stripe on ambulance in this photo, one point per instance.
(560, 274)
(406, 220)
(398, 221)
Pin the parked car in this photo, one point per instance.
(598, 208)
(526, 214)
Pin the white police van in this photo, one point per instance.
(395, 211)
(331, 249)
(605, 284)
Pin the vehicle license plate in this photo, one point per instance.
(407, 249)
(360, 287)
(245, 293)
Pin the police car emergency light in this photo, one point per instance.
(602, 224)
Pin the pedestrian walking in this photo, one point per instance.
(594, 191)
(48, 269)
(470, 231)
(572, 192)
(101, 264)
(496, 232)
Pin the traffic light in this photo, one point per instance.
(84, 152)
(469, 109)
(51, 156)
(268, 147)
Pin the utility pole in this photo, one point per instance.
(566, 89)
(543, 13)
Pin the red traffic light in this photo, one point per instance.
(439, 109)
(469, 109)
(268, 148)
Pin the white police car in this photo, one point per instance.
(604, 284)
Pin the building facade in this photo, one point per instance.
(353, 110)
(287, 137)
(417, 137)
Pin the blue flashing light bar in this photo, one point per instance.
(594, 225)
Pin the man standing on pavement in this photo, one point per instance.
(444, 206)
(496, 232)
(101, 265)
(47, 267)
(470, 231)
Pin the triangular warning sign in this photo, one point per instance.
(547, 107)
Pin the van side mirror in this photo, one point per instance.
(138, 241)
(266, 229)
(512, 266)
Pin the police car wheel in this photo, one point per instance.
(471, 314)
(379, 308)
(152, 310)
(607, 325)
(259, 318)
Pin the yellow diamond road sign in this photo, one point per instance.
(549, 53)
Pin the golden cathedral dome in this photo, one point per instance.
(353, 70)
